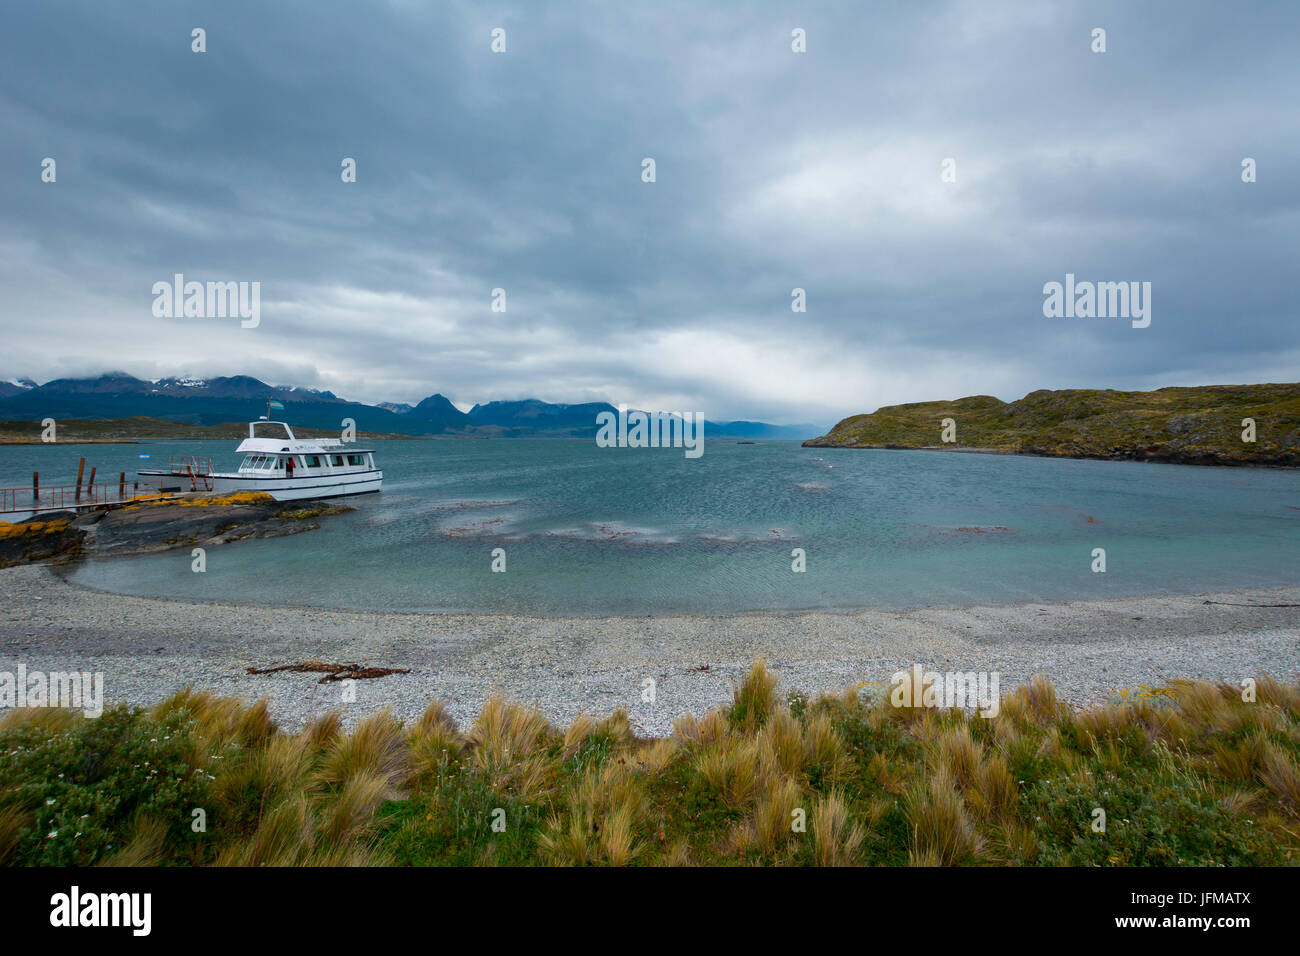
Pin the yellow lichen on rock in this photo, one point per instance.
(227, 501)
(8, 530)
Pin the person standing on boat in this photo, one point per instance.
(288, 466)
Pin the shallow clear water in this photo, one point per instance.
(592, 530)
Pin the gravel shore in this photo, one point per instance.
(148, 648)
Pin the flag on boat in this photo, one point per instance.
(275, 404)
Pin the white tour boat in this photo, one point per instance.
(282, 466)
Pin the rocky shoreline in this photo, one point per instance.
(1154, 455)
(1095, 651)
(157, 524)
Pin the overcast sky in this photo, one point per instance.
(523, 170)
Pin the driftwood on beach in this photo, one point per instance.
(332, 672)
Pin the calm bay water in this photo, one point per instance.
(588, 530)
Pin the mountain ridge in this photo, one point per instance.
(221, 399)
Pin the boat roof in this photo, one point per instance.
(277, 446)
(287, 443)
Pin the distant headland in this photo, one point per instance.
(1204, 425)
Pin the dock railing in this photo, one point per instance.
(19, 502)
(197, 469)
(38, 498)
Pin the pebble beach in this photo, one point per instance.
(1094, 651)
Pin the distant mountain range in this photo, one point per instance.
(240, 398)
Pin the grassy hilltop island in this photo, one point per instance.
(1201, 425)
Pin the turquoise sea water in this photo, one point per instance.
(590, 530)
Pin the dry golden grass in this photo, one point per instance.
(507, 743)
(754, 699)
(956, 750)
(617, 728)
(583, 726)
(1281, 775)
(942, 832)
(710, 729)
(50, 719)
(679, 854)
(824, 750)
(730, 768)
(1276, 694)
(781, 745)
(836, 837)
(659, 755)
(845, 780)
(376, 748)
(146, 847)
(618, 838)
(600, 820)
(567, 840)
(433, 743)
(774, 815)
(349, 818)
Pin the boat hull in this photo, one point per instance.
(301, 489)
(279, 488)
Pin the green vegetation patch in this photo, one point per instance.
(1201, 425)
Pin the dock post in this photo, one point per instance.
(121, 487)
(36, 486)
(81, 468)
(90, 485)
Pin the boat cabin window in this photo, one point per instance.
(254, 462)
(336, 461)
(313, 461)
(355, 460)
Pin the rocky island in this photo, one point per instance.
(157, 523)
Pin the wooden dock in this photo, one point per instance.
(19, 503)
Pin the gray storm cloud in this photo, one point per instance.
(775, 170)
